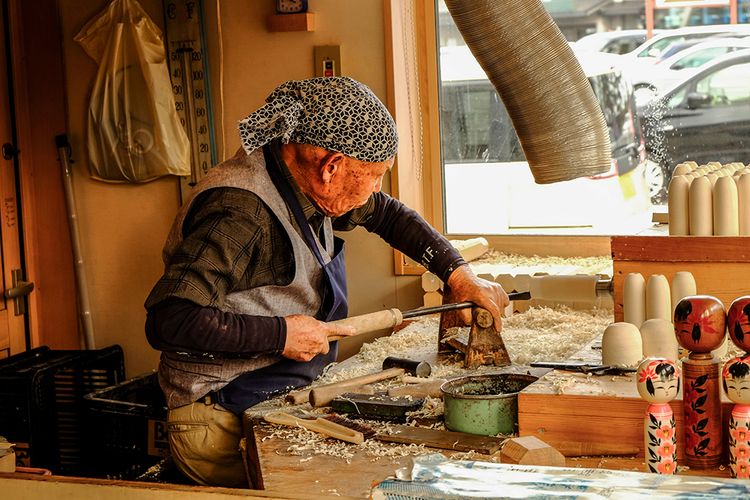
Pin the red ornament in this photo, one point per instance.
(738, 322)
(700, 323)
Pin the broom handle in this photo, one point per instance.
(63, 149)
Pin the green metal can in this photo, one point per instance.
(484, 404)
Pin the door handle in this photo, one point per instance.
(19, 291)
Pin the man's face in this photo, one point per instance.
(351, 185)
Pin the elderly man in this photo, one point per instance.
(254, 273)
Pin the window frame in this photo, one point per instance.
(411, 46)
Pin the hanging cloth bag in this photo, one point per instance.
(134, 132)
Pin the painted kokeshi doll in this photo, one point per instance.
(700, 327)
(659, 383)
(736, 378)
(738, 322)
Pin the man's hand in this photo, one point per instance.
(306, 337)
(465, 286)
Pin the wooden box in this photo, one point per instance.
(720, 264)
(593, 416)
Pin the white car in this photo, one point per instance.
(650, 50)
(613, 42)
(666, 73)
(641, 60)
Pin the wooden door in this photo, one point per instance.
(12, 325)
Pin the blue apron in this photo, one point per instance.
(253, 387)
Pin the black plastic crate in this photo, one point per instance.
(127, 428)
(42, 407)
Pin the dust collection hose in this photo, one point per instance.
(63, 149)
(548, 97)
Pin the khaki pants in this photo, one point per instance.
(204, 440)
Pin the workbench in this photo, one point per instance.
(542, 412)
(598, 414)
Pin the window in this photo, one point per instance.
(463, 166)
(700, 57)
(488, 186)
(727, 87)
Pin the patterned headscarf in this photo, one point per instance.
(336, 113)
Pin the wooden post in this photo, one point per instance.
(649, 18)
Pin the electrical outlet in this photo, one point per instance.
(327, 59)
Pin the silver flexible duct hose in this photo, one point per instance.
(548, 97)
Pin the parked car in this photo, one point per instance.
(667, 72)
(703, 118)
(480, 148)
(641, 61)
(613, 42)
(481, 130)
(677, 47)
(652, 48)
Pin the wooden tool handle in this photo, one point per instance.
(303, 396)
(429, 388)
(324, 394)
(319, 425)
(371, 322)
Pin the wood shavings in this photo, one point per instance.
(431, 408)
(579, 265)
(539, 334)
(560, 382)
(308, 444)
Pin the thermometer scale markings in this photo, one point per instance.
(190, 84)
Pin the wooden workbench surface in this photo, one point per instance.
(287, 473)
(284, 468)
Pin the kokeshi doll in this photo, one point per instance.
(701, 207)
(736, 378)
(738, 322)
(725, 207)
(659, 383)
(658, 298)
(700, 325)
(634, 299)
(677, 203)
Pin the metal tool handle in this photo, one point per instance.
(423, 311)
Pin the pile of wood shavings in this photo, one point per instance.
(581, 265)
(539, 334)
(306, 443)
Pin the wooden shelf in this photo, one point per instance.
(304, 21)
(720, 264)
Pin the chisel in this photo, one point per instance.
(388, 318)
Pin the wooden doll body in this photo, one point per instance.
(700, 327)
(736, 378)
(658, 383)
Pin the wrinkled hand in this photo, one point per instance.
(306, 337)
(466, 286)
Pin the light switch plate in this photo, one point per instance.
(327, 60)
